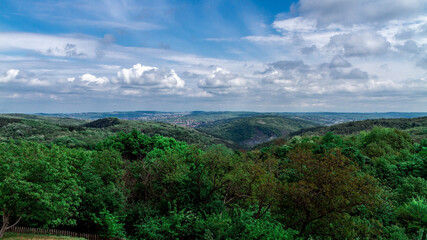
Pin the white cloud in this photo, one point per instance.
(350, 33)
(38, 82)
(150, 77)
(297, 24)
(131, 92)
(293, 77)
(89, 78)
(304, 82)
(10, 75)
(57, 46)
(221, 81)
(17, 76)
(285, 72)
(109, 67)
(301, 79)
(360, 44)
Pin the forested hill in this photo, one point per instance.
(416, 126)
(82, 133)
(249, 131)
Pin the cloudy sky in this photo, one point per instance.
(307, 55)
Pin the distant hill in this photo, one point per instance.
(234, 129)
(332, 118)
(250, 131)
(197, 118)
(416, 127)
(358, 126)
(81, 133)
(103, 123)
(188, 119)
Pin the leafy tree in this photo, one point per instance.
(323, 188)
(38, 184)
(236, 224)
(413, 215)
(385, 141)
(103, 197)
(411, 187)
(135, 145)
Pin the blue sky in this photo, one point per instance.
(306, 55)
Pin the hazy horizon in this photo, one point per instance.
(178, 56)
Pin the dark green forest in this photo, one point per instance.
(143, 180)
(247, 132)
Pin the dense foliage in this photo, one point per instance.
(371, 185)
(250, 131)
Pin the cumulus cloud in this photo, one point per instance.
(285, 72)
(10, 75)
(221, 81)
(292, 76)
(92, 79)
(150, 77)
(301, 79)
(16, 76)
(311, 82)
(349, 28)
(360, 44)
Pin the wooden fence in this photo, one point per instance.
(58, 232)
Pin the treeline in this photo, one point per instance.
(367, 186)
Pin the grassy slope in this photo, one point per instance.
(249, 131)
(74, 133)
